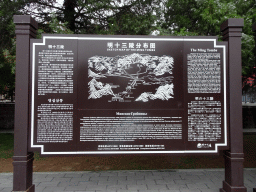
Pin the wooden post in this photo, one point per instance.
(234, 158)
(22, 160)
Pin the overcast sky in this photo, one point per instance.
(60, 2)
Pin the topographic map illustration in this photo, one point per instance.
(135, 77)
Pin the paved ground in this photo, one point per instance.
(181, 180)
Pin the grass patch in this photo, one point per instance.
(137, 166)
(188, 162)
(37, 157)
(140, 162)
(6, 145)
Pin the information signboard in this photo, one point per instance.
(128, 95)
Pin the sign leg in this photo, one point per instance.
(22, 159)
(23, 170)
(234, 182)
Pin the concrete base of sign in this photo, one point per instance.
(229, 188)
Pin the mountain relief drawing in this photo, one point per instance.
(131, 78)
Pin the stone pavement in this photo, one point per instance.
(179, 180)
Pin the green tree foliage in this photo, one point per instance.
(7, 73)
(136, 18)
(247, 10)
(7, 44)
(41, 11)
(8, 8)
(204, 17)
(131, 17)
(94, 17)
(56, 27)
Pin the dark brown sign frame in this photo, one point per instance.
(23, 159)
(183, 59)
